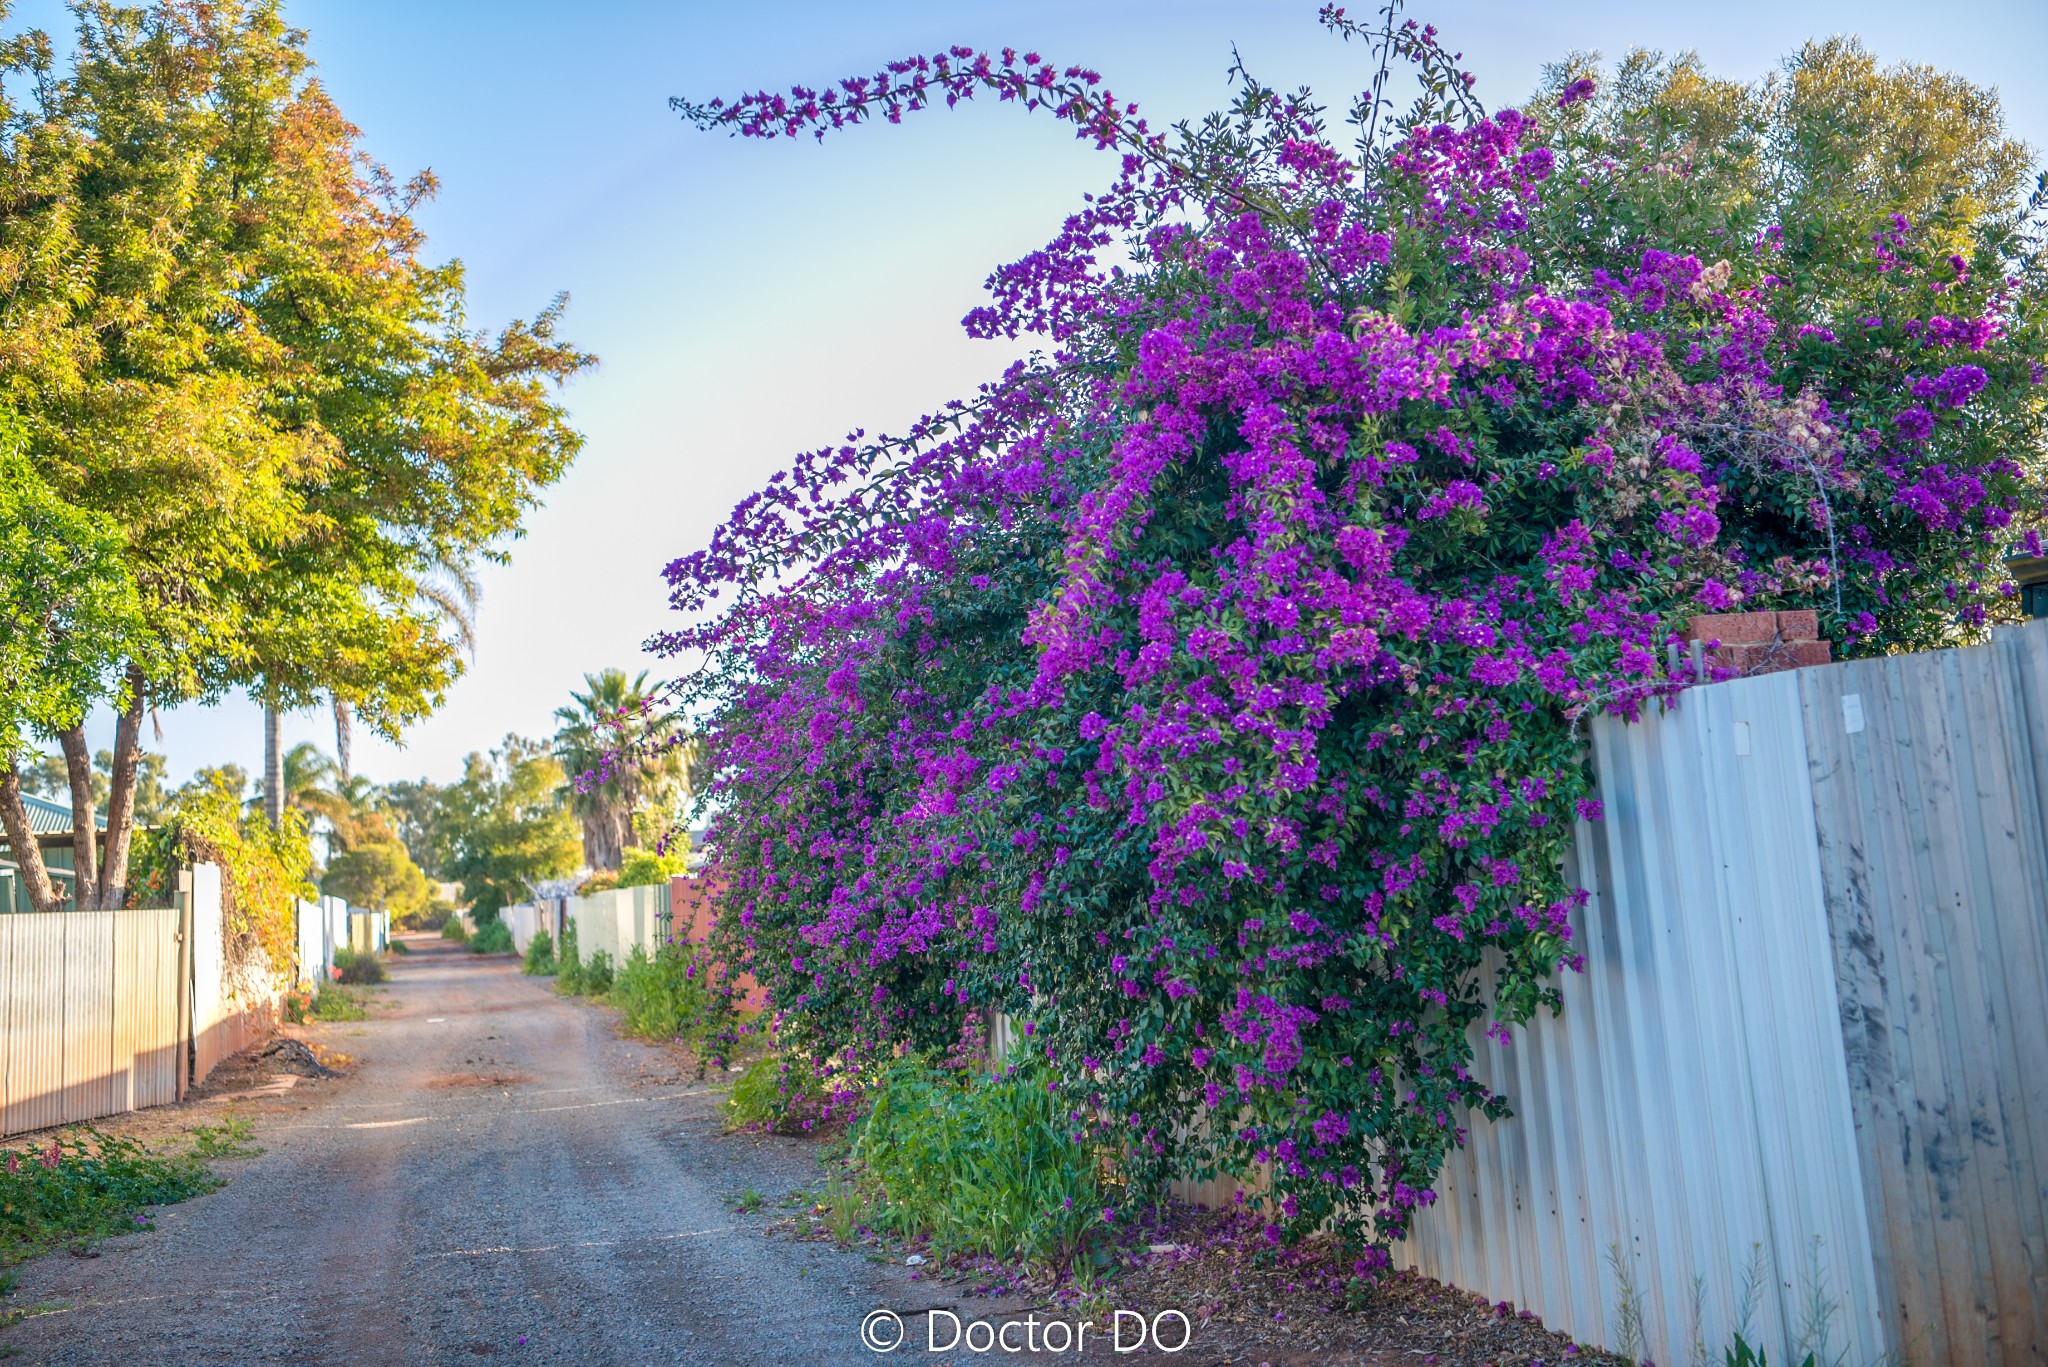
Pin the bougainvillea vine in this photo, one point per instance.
(1206, 693)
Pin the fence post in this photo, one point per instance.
(185, 970)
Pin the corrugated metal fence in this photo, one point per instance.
(1690, 1105)
(1811, 1036)
(89, 1015)
(1930, 782)
(107, 1011)
(611, 922)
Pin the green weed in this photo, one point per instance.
(454, 929)
(360, 969)
(978, 1163)
(842, 1205)
(781, 1092)
(1741, 1354)
(492, 937)
(336, 1003)
(229, 1139)
(90, 1186)
(1628, 1305)
(540, 956)
(569, 963)
(670, 996)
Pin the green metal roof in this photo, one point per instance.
(52, 818)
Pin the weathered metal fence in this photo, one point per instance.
(613, 922)
(1812, 1033)
(90, 1010)
(108, 1011)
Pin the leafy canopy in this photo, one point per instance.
(507, 827)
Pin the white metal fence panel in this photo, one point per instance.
(312, 938)
(1690, 1107)
(615, 922)
(523, 920)
(233, 1005)
(337, 927)
(199, 886)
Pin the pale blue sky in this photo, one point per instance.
(751, 299)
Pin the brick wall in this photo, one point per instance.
(1761, 642)
(691, 913)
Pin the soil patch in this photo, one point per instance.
(478, 1080)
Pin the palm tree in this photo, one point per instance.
(604, 733)
(302, 776)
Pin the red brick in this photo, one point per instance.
(1743, 658)
(1803, 625)
(1768, 657)
(1733, 628)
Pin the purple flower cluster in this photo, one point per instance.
(1207, 693)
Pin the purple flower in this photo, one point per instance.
(1914, 423)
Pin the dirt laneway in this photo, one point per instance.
(497, 1167)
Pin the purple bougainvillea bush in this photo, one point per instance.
(1208, 694)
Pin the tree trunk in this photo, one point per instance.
(21, 842)
(121, 794)
(344, 735)
(273, 766)
(85, 831)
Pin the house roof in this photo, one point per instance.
(53, 818)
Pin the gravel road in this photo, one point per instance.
(497, 1177)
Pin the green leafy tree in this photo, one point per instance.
(374, 870)
(507, 826)
(223, 340)
(66, 620)
(265, 868)
(414, 809)
(46, 775)
(645, 867)
(305, 782)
